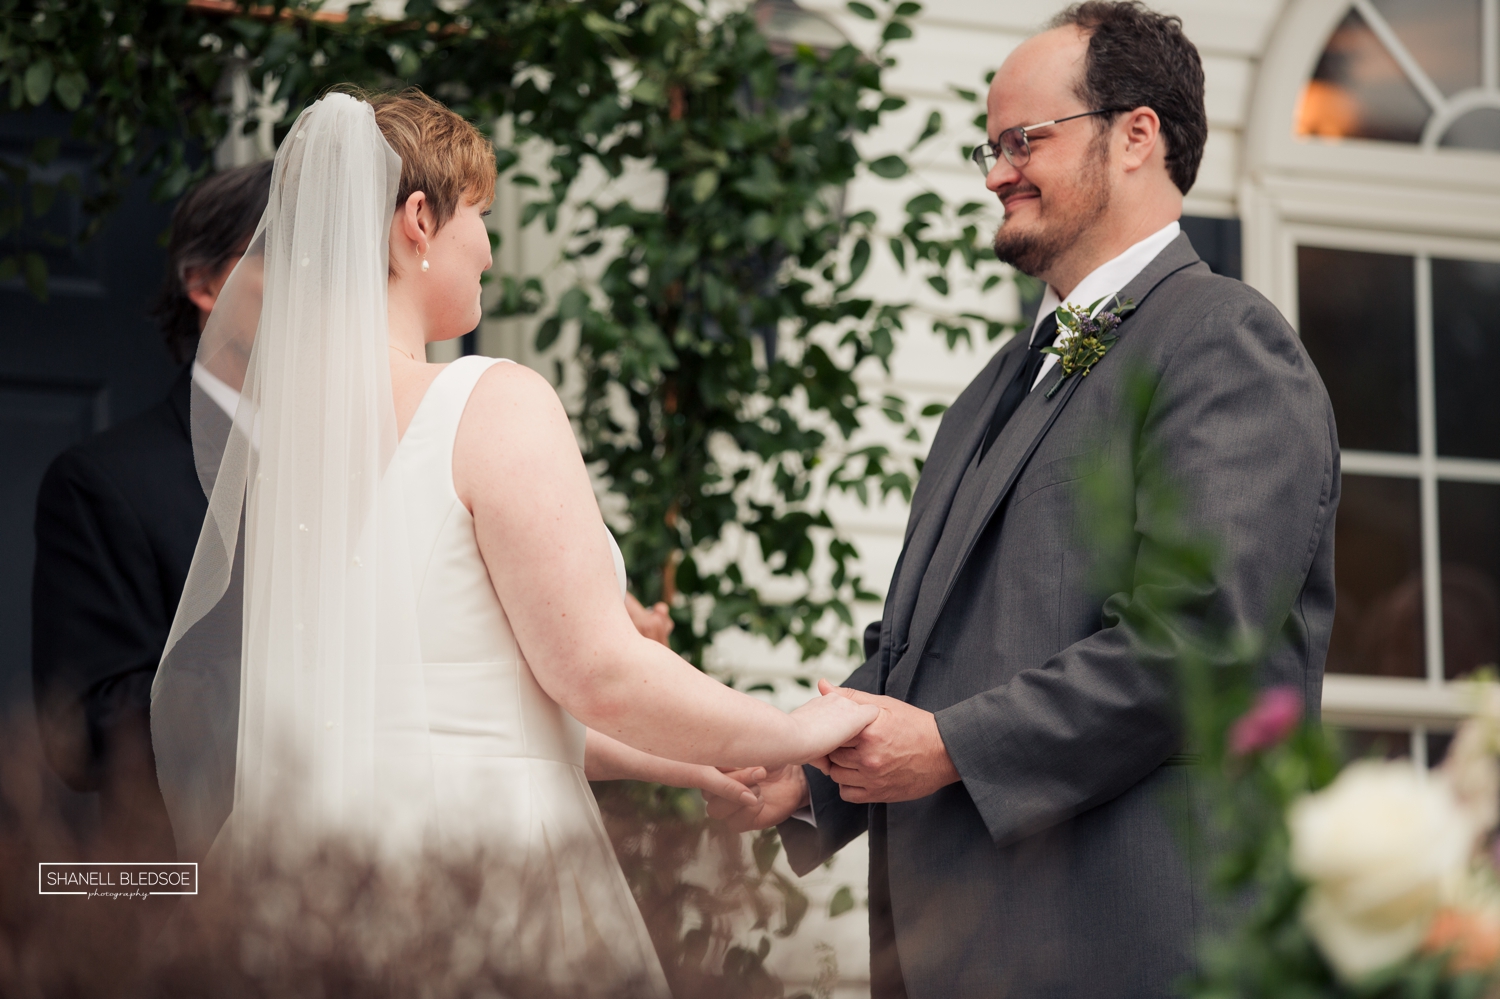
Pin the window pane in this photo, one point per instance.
(1437, 747)
(1363, 743)
(1377, 624)
(1358, 91)
(1442, 35)
(1469, 521)
(1479, 129)
(1466, 357)
(1357, 317)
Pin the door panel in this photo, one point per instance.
(83, 360)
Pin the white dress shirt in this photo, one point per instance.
(1102, 282)
(223, 395)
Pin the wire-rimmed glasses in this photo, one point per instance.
(1016, 147)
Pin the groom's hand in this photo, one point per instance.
(782, 792)
(655, 623)
(899, 757)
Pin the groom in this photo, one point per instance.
(1013, 787)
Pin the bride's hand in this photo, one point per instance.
(825, 723)
(742, 788)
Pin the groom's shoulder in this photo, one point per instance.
(1200, 307)
(1221, 332)
(1196, 293)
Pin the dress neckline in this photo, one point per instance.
(427, 395)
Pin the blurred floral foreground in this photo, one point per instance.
(1375, 880)
(328, 920)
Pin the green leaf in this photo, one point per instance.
(935, 409)
(924, 204)
(38, 81)
(861, 10)
(765, 847)
(547, 333)
(933, 127)
(70, 88)
(601, 25)
(939, 284)
(895, 30)
(704, 185)
(842, 902)
(889, 167)
(760, 227)
(573, 305)
(859, 260)
(898, 250)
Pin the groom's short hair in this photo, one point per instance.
(1139, 58)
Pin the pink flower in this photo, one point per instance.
(1273, 716)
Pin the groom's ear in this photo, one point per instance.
(1143, 139)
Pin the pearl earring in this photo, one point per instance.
(425, 265)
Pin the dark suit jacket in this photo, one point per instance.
(1053, 868)
(117, 520)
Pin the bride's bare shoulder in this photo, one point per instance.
(513, 392)
(514, 424)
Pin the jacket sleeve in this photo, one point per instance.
(838, 821)
(98, 617)
(1239, 433)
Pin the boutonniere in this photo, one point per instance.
(1084, 338)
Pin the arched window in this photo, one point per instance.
(1414, 71)
(1371, 209)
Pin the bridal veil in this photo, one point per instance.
(291, 691)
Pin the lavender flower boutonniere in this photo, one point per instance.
(1085, 339)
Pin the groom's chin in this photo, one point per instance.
(1024, 251)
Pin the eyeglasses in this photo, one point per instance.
(1016, 147)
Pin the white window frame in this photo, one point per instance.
(1414, 200)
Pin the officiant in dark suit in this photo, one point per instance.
(1015, 788)
(118, 517)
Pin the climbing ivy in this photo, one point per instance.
(724, 328)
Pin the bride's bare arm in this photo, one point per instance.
(608, 759)
(516, 466)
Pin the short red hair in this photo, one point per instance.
(442, 155)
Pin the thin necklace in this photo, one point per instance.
(401, 352)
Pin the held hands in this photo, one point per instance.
(826, 723)
(900, 756)
(822, 725)
(777, 795)
(739, 789)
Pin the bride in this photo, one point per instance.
(405, 623)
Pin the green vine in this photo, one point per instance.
(723, 334)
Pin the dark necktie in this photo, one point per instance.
(1019, 385)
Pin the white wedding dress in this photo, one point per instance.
(508, 760)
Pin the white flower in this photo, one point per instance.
(1383, 847)
(1473, 773)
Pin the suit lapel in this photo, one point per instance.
(926, 526)
(1015, 445)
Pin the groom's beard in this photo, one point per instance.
(1033, 251)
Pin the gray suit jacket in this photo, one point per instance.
(1053, 868)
